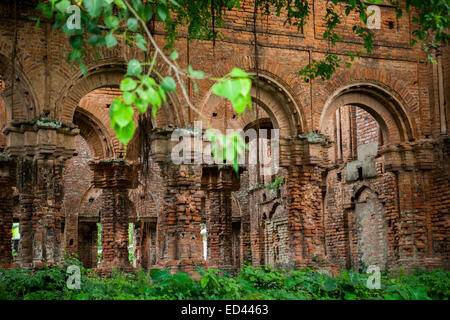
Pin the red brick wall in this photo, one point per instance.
(47, 82)
(366, 127)
(3, 121)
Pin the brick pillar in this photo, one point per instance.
(41, 149)
(7, 181)
(305, 158)
(246, 251)
(179, 244)
(305, 214)
(219, 182)
(412, 164)
(115, 177)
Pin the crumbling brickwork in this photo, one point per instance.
(219, 183)
(7, 181)
(364, 155)
(115, 178)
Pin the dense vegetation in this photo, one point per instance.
(250, 284)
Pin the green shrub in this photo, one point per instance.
(49, 283)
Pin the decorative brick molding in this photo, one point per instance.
(40, 148)
(395, 122)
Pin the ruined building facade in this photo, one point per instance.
(364, 161)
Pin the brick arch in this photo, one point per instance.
(375, 76)
(396, 124)
(107, 73)
(392, 88)
(21, 101)
(95, 133)
(277, 103)
(287, 82)
(363, 189)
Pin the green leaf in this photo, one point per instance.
(125, 134)
(168, 84)
(154, 110)
(195, 87)
(153, 97)
(162, 12)
(62, 6)
(76, 41)
(229, 88)
(134, 68)
(132, 24)
(120, 4)
(112, 22)
(121, 114)
(174, 55)
(195, 74)
(94, 40)
(110, 40)
(246, 85)
(129, 97)
(141, 42)
(158, 275)
(94, 7)
(149, 82)
(204, 282)
(83, 69)
(329, 284)
(147, 13)
(141, 105)
(238, 73)
(162, 93)
(143, 94)
(38, 23)
(128, 84)
(239, 104)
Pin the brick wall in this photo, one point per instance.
(47, 85)
(366, 127)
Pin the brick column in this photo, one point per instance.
(413, 165)
(7, 181)
(246, 251)
(179, 244)
(305, 158)
(219, 182)
(41, 148)
(115, 177)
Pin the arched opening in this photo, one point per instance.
(371, 230)
(82, 203)
(395, 124)
(356, 136)
(361, 121)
